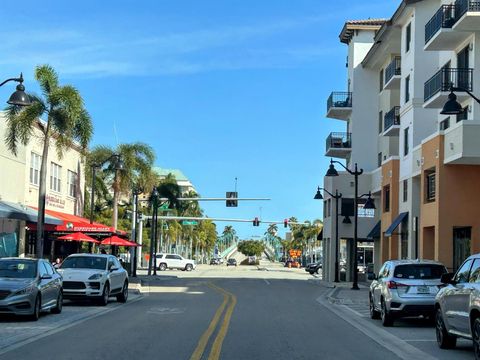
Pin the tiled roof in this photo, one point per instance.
(179, 176)
(352, 25)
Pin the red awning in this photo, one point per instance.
(118, 241)
(78, 236)
(73, 223)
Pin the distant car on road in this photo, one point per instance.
(28, 287)
(405, 288)
(94, 276)
(292, 263)
(174, 261)
(457, 306)
(231, 262)
(313, 268)
(215, 261)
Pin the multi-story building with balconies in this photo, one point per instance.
(421, 166)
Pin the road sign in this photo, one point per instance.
(232, 203)
(189, 222)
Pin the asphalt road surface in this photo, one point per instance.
(218, 313)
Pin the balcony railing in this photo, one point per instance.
(339, 140)
(463, 6)
(394, 68)
(446, 78)
(339, 100)
(443, 18)
(391, 118)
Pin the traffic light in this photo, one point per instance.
(232, 203)
(256, 222)
(285, 223)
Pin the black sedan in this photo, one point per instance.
(313, 268)
(232, 262)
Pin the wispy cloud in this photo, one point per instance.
(77, 53)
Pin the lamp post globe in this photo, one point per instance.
(452, 106)
(19, 97)
(331, 170)
(318, 195)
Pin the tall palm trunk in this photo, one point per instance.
(42, 191)
(116, 195)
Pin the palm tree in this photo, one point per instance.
(229, 234)
(65, 120)
(137, 161)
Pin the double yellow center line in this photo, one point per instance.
(230, 300)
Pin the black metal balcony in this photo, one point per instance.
(339, 100)
(463, 6)
(443, 18)
(339, 140)
(445, 78)
(394, 68)
(391, 118)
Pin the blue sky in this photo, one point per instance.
(220, 89)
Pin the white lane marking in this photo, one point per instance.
(268, 282)
(165, 311)
(419, 340)
(397, 346)
(19, 344)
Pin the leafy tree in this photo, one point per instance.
(64, 119)
(251, 247)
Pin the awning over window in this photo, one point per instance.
(375, 232)
(395, 223)
(10, 210)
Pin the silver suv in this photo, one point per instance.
(405, 288)
(457, 306)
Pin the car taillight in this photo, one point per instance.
(395, 285)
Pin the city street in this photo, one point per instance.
(217, 312)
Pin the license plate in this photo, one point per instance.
(423, 290)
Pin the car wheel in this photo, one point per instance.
(476, 338)
(103, 301)
(189, 267)
(374, 314)
(444, 339)
(123, 296)
(36, 309)
(58, 308)
(311, 272)
(387, 318)
(162, 267)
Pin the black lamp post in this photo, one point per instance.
(337, 196)
(151, 261)
(133, 254)
(19, 97)
(333, 172)
(452, 106)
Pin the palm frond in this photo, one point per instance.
(47, 77)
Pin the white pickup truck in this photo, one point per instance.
(174, 261)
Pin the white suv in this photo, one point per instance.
(94, 276)
(174, 261)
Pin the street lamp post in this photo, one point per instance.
(19, 97)
(452, 106)
(154, 199)
(337, 196)
(368, 205)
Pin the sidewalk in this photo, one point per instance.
(354, 300)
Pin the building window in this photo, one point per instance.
(407, 89)
(386, 198)
(379, 160)
(380, 82)
(404, 240)
(408, 37)
(431, 191)
(445, 124)
(72, 183)
(405, 142)
(463, 115)
(329, 207)
(35, 163)
(380, 122)
(325, 208)
(405, 190)
(55, 177)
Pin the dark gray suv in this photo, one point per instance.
(457, 306)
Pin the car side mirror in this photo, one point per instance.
(113, 268)
(46, 277)
(371, 276)
(447, 278)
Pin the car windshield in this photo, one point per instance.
(419, 271)
(85, 262)
(20, 269)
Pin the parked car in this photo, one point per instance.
(292, 263)
(174, 261)
(29, 287)
(215, 261)
(94, 276)
(231, 262)
(313, 268)
(405, 288)
(457, 306)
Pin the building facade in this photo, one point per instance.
(421, 166)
